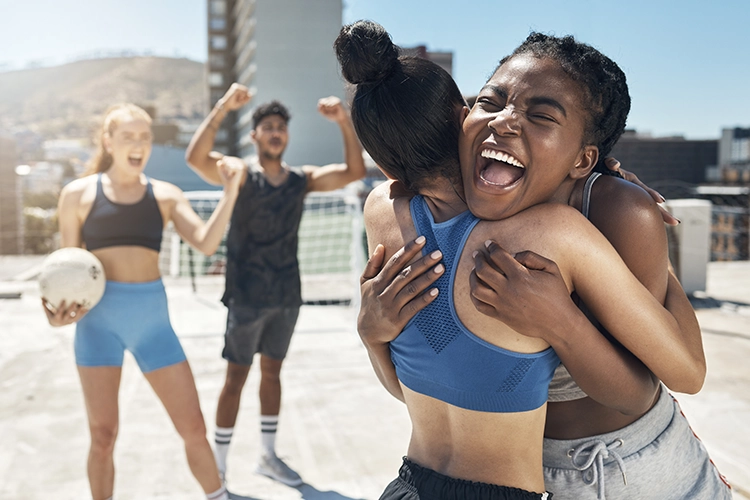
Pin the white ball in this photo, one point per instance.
(73, 275)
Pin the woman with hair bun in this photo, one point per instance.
(472, 357)
(118, 213)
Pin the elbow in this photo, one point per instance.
(190, 157)
(208, 251)
(691, 383)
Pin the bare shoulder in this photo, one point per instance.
(74, 191)
(617, 204)
(387, 217)
(79, 185)
(166, 191)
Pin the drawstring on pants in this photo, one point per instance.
(592, 468)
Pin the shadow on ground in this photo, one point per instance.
(706, 302)
(311, 493)
(308, 493)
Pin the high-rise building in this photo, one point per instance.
(10, 209)
(283, 49)
(734, 156)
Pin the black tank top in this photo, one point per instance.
(111, 224)
(262, 266)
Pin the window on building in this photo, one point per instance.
(218, 24)
(217, 61)
(218, 42)
(218, 7)
(215, 79)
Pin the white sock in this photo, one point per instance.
(220, 494)
(222, 438)
(268, 425)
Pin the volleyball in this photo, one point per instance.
(73, 275)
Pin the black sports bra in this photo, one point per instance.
(111, 224)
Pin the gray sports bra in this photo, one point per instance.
(563, 387)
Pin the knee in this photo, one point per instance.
(193, 430)
(235, 381)
(271, 371)
(103, 438)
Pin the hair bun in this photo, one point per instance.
(365, 52)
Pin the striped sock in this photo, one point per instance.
(268, 425)
(222, 438)
(220, 494)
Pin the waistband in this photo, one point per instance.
(435, 486)
(625, 441)
(140, 287)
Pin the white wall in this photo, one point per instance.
(296, 65)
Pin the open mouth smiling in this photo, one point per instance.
(499, 169)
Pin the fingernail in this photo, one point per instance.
(419, 240)
(663, 199)
(439, 268)
(487, 243)
(476, 252)
(434, 291)
(678, 221)
(436, 254)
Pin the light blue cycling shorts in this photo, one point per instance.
(133, 317)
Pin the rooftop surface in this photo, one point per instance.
(339, 428)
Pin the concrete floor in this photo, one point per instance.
(338, 428)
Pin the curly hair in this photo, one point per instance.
(603, 83)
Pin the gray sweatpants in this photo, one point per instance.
(657, 457)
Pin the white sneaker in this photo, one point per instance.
(273, 467)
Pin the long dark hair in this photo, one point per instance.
(405, 109)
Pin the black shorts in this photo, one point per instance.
(420, 483)
(267, 330)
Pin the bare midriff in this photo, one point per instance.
(497, 448)
(129, 264)
(585, 417)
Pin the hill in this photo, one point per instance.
(68, 100)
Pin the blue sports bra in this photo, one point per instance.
(437, 356)
(111, 224)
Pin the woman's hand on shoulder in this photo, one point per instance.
(393, 293)
(525, 291)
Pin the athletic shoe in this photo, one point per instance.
(273, 467)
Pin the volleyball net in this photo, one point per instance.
(331, 247)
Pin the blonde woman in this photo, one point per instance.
(118, 213)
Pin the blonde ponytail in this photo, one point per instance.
(102, 160)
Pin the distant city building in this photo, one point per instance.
(283, 49)
(78, 150)
(734, 156)
(442, 59)
(10, 207)
(673, 159)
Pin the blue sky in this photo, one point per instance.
(688, 62)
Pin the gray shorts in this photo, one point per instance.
(658, 454)
(267, 330)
